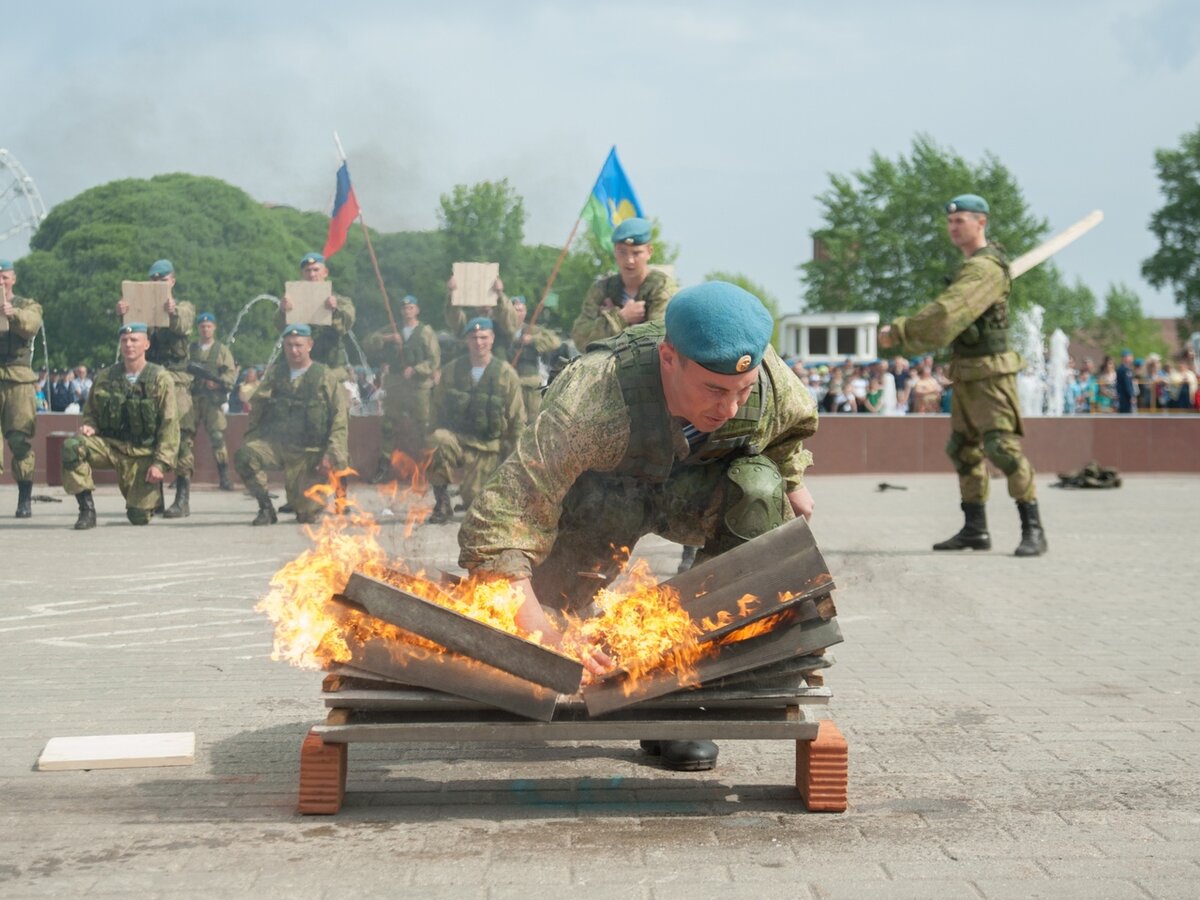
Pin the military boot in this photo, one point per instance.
(688, 559)
(974, 533)
(266, 512)
(223, 475)
(24, 499)
(443, 512)
(1033, 539)
(87, 511)
(179, 509)
(383, 474)
(684, 756)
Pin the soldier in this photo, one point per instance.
(503, 316)
(327, 339)
(18, 384)
(690, 428)
(413, 356)
(169, 349)
(985, 416)
(299, 423)
(634, 295)
(529, 343)
(214, 372)
(479, 415)
(130, 424)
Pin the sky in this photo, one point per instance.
(729, 118)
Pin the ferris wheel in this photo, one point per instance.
(21, 206)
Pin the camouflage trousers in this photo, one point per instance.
(18, 419)
(603, 514)
(257, 457)
(532, 395)
(449, 453)
(405, 422)
(209, 416)
(985, 422)
(82, 454)
(185, 460)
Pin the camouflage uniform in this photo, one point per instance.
(605, 464)
(985, 416)
(137, 426)
(541, 341)
(406, 401)
(18, 386)
(293, 426)
(505, 322)
(327, 339)
(478, 423)
(169, 349)
(208, 397)
(600, 316)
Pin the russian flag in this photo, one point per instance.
(345, 211)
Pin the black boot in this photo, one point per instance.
(974, 533)
(443, 512)
(223, 475)
(684, 756)
(87, 511)
(1033, 539)
(24, 499)
(383, 474)
(688, 559)
(179, 509)
(266, 512)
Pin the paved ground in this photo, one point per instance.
(1018, 728)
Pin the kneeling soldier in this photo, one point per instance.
(299, 423)
(130, 424)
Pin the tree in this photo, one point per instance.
(1176, 263)
(769, 300)
(483, 223)
(883, 246)
(1123, 326)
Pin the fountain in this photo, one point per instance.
(1042, 384)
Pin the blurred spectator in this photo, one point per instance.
(241, 394)
(60, 392)
(83, 385)
(1079, 393)
(1105, 399)
(873, 402)
(1124, 383)
(904, 381)
(926, 390)
(838, 398)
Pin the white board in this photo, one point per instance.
(473, 283)
(118, 751)
(147, 302)
(308, 302)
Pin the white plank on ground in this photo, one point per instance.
(118, 751)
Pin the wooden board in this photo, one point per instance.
(473, 639)
(473, 282)
(147, 302)
(1044, 251)
(118, 751)
(308, 302)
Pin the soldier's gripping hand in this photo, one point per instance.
(532, 618)
(87, 430)
(802, 502)
(886, 339)
(154, 475)
(634, 312)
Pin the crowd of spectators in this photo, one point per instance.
(896, 387)
(1133, 384)
(63, 390)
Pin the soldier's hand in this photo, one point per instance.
(87, 430)
(886, 339)
(408, 371)
(802, 502)
(154, 475)
(285, 303)
(6, 308)
(498, 286)
(122, 308)
(634, 312)
(324, 466)
(169, 306)
(451, 283)
(331, 301)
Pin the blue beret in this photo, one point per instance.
(302, 330)
(206, 317)
(133, 328)
(162, 267)
(409, 298)
(520, 298)
(309, 258)
(1139, 361)
(6, 265)
(720, 326)
(480, 323)
(632, 231)
(967, 203)
(1127, 352)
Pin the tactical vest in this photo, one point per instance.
(124, 411)
(479, 410)
(527, 364)
(414, 351)
(200, 387)
(987, 335)
(650, 456)
(300, 417)
(14, 349)
(168, 349)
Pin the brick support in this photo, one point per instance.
(822, 770)
(322, 776)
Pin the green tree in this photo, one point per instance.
(1123, 325)
(883, 246)
(769, 300)
(483, 223)
(1176, 263)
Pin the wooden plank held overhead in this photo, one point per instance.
(454, 631)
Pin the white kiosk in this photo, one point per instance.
(829, 337)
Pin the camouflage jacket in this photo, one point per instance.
(981, 284)
(420, 350)
(600, 316)
(218, 360)
(16, 343)
(327, 339)
(487, 415)
(504, 322)
(310, 414)
(169, 345)
(585, 426)
(541, 340)
(138, 419)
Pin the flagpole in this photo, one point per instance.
(549, 283)
(387, 303)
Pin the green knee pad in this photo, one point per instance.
(20, 443)
(138, 516)
(756, 497)
(997, 450)
(954, 448)
(74, 453)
